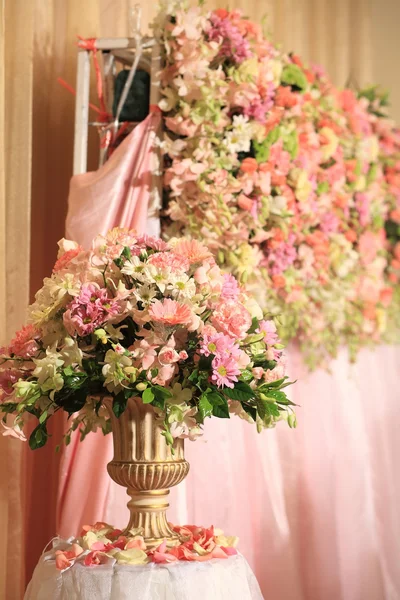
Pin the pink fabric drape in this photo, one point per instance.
(118, 194)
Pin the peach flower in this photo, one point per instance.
(170, 312)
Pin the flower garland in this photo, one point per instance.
(287, 179)
(103, 544)
(137, 317)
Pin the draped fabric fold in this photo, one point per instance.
(123, 193)
(118, 193)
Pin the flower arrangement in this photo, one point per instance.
(103, 544)
(137, 317)
(287, 179)
(389, 144)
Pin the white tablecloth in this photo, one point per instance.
(218, 579)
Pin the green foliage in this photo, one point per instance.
(293, 76)
(38, 437)
(241, 392)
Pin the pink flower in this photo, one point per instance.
(137, 542)
(165, 373)
(15, 431)
(65, 558)
(168, 356)
(230, 287)
(144, 353)
(231, 318)
(148, 241)
(162, 556)
(7, 380)
(95, 558)
(170, 312)
(225, 372)
(233, 44)
(368, 246)
(24, 344)
(268, 328)
(193, 250)
(66, 258)
(89, 310)
(219, 345)
(169, 260)
(386, 296)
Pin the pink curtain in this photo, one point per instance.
(121, 193)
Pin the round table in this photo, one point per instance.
(217, 579)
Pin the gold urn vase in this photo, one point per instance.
(144, 463)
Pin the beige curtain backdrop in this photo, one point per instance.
(37, 45)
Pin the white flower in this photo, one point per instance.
(55, 293)
(135, 268)
(47, 371)
(145, 293)
(71, 354)
(114, 369)
(179, 396)
(14, 431)
(182, 286)
(169, 101)
(239, 139)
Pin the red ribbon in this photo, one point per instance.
(154, 108)
(103, 116)
(89, 44)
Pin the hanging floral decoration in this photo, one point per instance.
(288, 179)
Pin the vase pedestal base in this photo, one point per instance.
(149, 513)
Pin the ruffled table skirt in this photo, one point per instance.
(218, 579)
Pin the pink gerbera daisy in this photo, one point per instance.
(170, 312)
(193, 250)
(169, 260)
(225, 372)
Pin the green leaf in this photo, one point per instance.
(38, 437)
(242, 392)
(254, 325)
(205, 407)
(246, 375)
(127, 252)
(71, 400)
(161, 392)
(68, 370)
(273, 384)
(168, 437)
(270, 365)
(292, 75)
(267, 409)
(251, 410)
(147, 396)
(277, 395)
(221, 410)
(193, 376)
(204, 363)
(291, 144)
(119, 404)
(43, 417)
